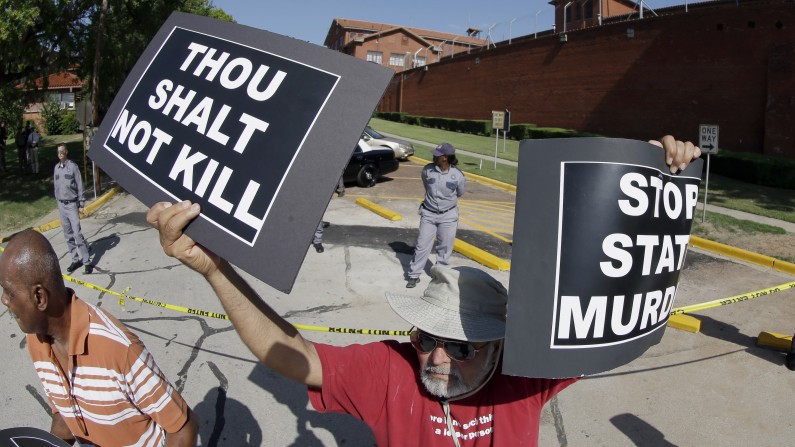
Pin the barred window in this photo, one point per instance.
(375, 56)
(397, 59)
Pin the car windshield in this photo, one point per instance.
(374, 134)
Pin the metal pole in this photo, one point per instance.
(496, 148)
(706, 190)
(85, 142)
(600, 12)
(564, 15)
(504, 136)
(510, 25)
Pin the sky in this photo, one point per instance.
(310, 20)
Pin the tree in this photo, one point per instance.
(52, 116)
(38, 37)
(129, 25)
(41, 37)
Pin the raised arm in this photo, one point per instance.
(273, 340)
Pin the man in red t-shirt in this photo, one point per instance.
(443, 388)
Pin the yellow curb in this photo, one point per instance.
(490, 181)
(779, 341)
(745, 255)
(685, 323)
(475, 177)
(481, 256)
(101, 200)
(378, 209)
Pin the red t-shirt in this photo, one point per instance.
(379, 384)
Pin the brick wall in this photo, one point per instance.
(728, 65)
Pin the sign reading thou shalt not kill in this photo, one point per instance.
(600, 237)
(254, 126)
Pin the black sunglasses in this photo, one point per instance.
(459, 351)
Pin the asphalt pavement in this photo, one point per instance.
(715, 387)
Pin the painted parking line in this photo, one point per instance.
(493, 218)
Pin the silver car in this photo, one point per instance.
(403, 149)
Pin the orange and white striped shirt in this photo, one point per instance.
(111, 393)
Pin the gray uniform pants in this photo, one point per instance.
(318, 237)
(33, 159)
(70, 222)
(434, 226)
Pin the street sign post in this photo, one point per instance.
(497, 123)
(500, 120)
(708, 138)
(708, 143)
(506, 126)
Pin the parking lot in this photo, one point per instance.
(715, 387)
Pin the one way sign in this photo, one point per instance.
(708, 138)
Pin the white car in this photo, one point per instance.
(403, 149)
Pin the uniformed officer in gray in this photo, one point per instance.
(69, 195)
(444, 184)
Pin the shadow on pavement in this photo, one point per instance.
(640, 432)
(726, 332)
(345, 429)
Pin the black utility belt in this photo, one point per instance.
(67, 202)
(435, 211)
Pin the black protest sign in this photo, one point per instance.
(600, 238)
(253, 126)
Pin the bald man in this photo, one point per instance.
(84, 356)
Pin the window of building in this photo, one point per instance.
(419, 61)
(375, 56)
(397, 59)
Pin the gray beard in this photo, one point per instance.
(455, 385)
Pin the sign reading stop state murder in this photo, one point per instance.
(253, 126)
(600, 237)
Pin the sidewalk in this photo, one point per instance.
(787, 226)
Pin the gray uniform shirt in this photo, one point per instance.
(68, 183)
(442, 189)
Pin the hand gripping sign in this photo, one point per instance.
(600, 236)
(254, 126)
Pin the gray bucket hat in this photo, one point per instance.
(461, 303)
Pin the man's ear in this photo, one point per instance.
(41, 297)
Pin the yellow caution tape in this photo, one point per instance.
(384, 332)
(123, 296)
(342, 330)
(733, 299)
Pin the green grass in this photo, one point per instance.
(731, 225)
(755, 199)
(29, 197)
(503, 173)
(472, 143)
